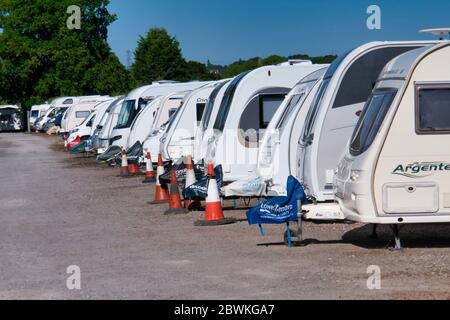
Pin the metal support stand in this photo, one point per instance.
(398, 243)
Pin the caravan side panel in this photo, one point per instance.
(412, 176)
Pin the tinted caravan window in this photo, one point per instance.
(433, 109)
(210, 105)
(126, 113)
(371, 119)
(260, 110)
(226, 102)
(82, 114)
(34, 114)
(362, 75)
(200, 110)
(68, 101)
(268, 106)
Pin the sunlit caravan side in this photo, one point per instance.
(178, 140)
(396, 169)
(167, 110)
(279, 146)
(333, 115)
(138, 99)
(103, 131)
(205, 130)
(246, 110)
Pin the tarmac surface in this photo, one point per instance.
(58, 210)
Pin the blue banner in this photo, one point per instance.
(281, 209)
(199, 190)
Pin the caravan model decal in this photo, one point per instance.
(419, 170)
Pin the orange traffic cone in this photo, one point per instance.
(124, 169)
(213, 214)
(161, 193)
(150, 175)
(133, 169)
(190, 180)
(175, 206)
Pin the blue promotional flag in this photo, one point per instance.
(281, 209)
(199, 190)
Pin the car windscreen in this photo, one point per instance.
(371, 119)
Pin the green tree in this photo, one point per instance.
(273, 60)
(198, 71)
(158, 57)
(40, 57)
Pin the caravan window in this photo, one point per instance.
(312, 113)
(91, 121)
(371, 119)
(210, 105)
(293, 102)
(268, 106)
(433, 109)
(68, 101)
(5, 117)
(35, 114)
(125, 114)
(200, 110)
(360, 78)
(82, 114)
(227, 101)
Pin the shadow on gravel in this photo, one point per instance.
(413, 236)
(420, 236)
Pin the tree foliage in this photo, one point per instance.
(41, 58)
(245, 65)
(158, 57)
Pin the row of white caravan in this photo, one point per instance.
(366, 136)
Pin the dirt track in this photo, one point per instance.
(57, 210)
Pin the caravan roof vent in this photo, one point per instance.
(295, 61)
(164, 82)
(440, 32)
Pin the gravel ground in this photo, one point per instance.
(58, 210)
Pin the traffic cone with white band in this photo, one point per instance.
(175, 206)
(213, 213)
(161, 193)
(150, 175)
(190, 180)
(124, 169)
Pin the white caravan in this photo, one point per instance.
(78, 112)
(55, 105)
(278, 149)
(101, 110)
(37, 111)
(81, 132)
(104, 129)
(333, 115)
(178, 140)
(208, 119)
(396, 167)
(166, 110)
(138, 99)
(247, 107)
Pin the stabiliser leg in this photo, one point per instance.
(397, 240)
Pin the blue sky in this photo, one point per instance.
(226, 30)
